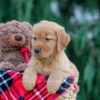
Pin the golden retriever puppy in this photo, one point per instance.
(48, 58)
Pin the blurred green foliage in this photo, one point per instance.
(81, 19)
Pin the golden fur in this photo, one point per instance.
(51, 38)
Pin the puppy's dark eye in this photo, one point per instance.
(47, 39)
(34, 38)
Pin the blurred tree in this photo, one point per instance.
(81, 19)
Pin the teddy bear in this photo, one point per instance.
(14, 45)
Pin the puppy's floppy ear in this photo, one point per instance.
(62, 40)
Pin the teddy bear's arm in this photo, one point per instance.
(6, 65)
(21, 67)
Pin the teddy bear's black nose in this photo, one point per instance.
(37, 50)
(18, 38)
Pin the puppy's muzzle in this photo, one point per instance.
(37, 50)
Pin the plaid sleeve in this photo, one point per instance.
(11, 87)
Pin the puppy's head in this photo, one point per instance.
(48, 39)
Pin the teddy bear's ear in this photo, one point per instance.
(27, 25)
(62, 40)
(28, 29)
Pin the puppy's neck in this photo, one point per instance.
(46, 62)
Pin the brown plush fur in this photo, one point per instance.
(10, 57)
(51, 39)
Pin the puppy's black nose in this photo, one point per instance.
(18, 37)
(37, 50)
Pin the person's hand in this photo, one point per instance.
(70, 94)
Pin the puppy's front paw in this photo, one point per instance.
(52, 87)
(28, 84)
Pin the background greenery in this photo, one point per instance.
(81, 19)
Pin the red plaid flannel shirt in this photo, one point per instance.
(11, 87)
